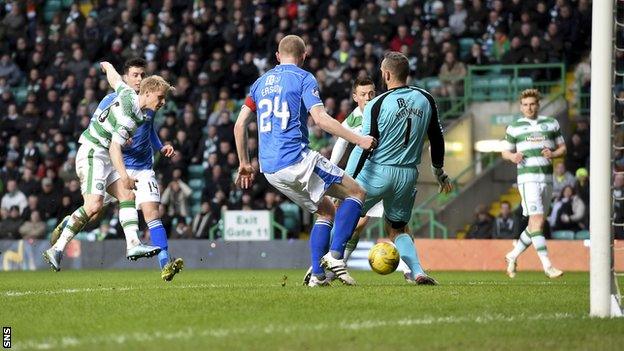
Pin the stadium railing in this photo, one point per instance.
(496, 83)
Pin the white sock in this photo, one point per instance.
(539, 242)
(521, 244)
(129, 219)
(75, 223)
(404, 267)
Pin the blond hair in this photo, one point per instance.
(155, 83)
(528, 93)
(292, 46)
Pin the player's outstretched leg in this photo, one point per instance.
(512, 256)
(76, 221)
(407, 250)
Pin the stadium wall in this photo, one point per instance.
(435, 254)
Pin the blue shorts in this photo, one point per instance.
(395, 186)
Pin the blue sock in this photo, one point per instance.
(347, 217)
(407, 250)
(159, 238)
(319, 243)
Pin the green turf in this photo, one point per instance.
(251, 310)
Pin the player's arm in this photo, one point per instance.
(561, 149)
(246, 172)
(157, 145)
(509, 152)
(117, 160)
(112, 76)
(339, 149)
(436, 143)
(330, 125)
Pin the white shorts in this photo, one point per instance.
(376, 211)
(536, 198)
(147, 186)
(94, 169)
(306, 182)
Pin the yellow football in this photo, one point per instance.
(384, 258)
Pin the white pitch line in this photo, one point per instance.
(116, 289)
(194, 333)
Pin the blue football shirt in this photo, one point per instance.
(283, 97)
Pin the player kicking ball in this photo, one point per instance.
(400, 119)
(138, 159)
(283, 97)
(100, 166)
(531, 143)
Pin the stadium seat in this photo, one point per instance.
(196, 171)
(20, 94)
(523, 83)
(499, 88)
(292, 216)
(50, 224)
(195, 209)
(479, 89)
(563, 235)
(582, 235)
(196, 196)
(432, 83)
(464, 46)
(196, 184)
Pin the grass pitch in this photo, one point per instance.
(252, 310)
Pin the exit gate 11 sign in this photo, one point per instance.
(247, 225)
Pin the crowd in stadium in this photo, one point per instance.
(50, 83)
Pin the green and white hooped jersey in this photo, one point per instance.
(118, 122)
(530, 137)
(342, 148)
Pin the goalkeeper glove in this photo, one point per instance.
(443, 179)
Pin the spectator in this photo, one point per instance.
(457, 21)
(403, 37)
(28, 184)
(500, 45)
(581, 187)
(476, 56)
(34, 228)
(516, 53)
(504, 225)
(483, 226)
(561, 179)
(33, 205)
(10, 225)
(203, 221)
(181, 230)
(568, 211)
(577, 154)
(175, 197)
(49, 199)
(451, 76)
(9, 70)
(13, 197)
